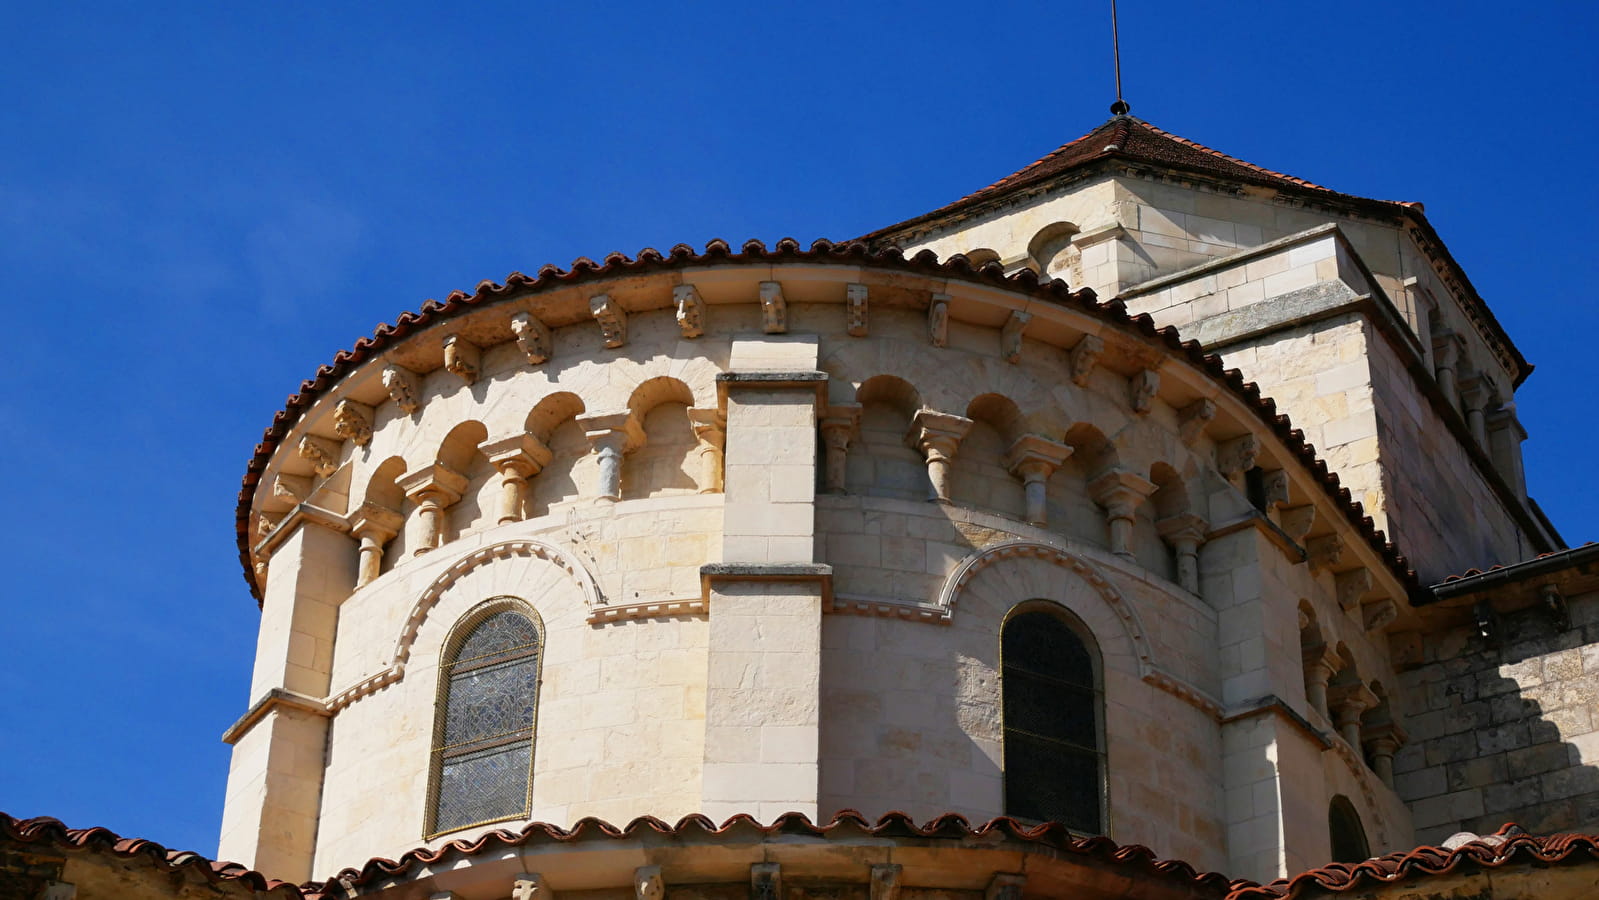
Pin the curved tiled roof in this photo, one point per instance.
(1506, 847)
(45, 832)
(789, 251)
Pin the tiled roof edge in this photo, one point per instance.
(788, 250)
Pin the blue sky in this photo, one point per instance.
(200, 203)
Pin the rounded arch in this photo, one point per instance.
(459, 449)
(382, 486)
(1345, 832)
(999, 411)
(1052, 250)
(522, 547)
(652, 392)
(552, 410)
(967, 569)
(1092, 449)
(981, 257)
(1171, 496)
(891, 390)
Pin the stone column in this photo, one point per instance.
(1446, 359)
(433, 489)
(1119, 493)
(710, 427)
(517, 458)
(613, 435)
(274, 790)
(1033, 459)
(1184, 533)
(838, 428)
(1382, 741)
(1476, 394)
(937, 436)
(1348, 701)
(1320, 665)
(374, 526)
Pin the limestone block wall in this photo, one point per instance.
(1505, 732)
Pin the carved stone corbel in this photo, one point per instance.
(1379, 614)
(1141, 390)
(648, 883)
(533, 337)
(613, 435)
(838, 427)
(1237, 456)
(1085, 355)
(353, 422)
(1184, 533)
(690, 310)
(529, 886)
(323, 454)
(433, 489)
(1119, 493)
(710, 429)
(938, 320)
(612, 318)
(1554, 605)
(855, 305)
(403, 387)
(293, 488)
(1274, 488)
(374, 526)
(1324, 552)
(1297, 522)
(936, 436)
(766, 881)
(885, 881)
(1193, 419)
(1352, 587)
(266, 524)
(1005, 886)
(517, 458)
(1033, 459)
(1010, 335)
(462, 358)
(774, 309)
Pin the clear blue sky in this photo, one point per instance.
(201, 203)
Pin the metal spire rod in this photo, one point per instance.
(1120, 107)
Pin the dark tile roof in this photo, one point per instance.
(718, 252)
(1509, 846)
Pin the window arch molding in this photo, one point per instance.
(485, 717)
(1052, 718)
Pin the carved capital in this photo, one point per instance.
(1320, 662)
(462, 357)
(1085, 355)
(353, 422)
(323, 454)
(690, 310)
(612, 318)
(1446, 349)
(839, 423)
(371, 520)
(1010, 335)
(1120, 492)
(533, 337)
(1193, 419)
(1141, 390)
(1324, 552)
(619, 429)
(1353, 586)
(1297, 522)
(1185, 531)
(1348, 700)
(404, 388)
(1237, 455)
(520, 455)
(936, 434)
(774, 309)
(1034, 458)
(436, 484)
(1476, 393)
(855, 309)
(1274, 488)
(938, 320)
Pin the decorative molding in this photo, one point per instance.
(889, 608)
(1183, 691)
(774, 309)
(612, 318)
(404, 388)
(938, 320)
(533, 337)
(855, 307)
(648, 609)
(462, 358)
(1084, 356)
(690, 310)
(353, 422)
(293, 488)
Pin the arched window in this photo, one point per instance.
(1054, 764)
(483, 730)
(1344, 828)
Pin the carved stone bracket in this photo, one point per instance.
(1085, 355)
(766, 881)
(1297, 522)
(1554, 604)
(1193, 419)
(885, 881)
(1274, 488)
(374, 526)
(433, 489)
(1005, 886)
(938, 320)
(612, 318)
(462, 358)
(517, 458)
(1379, 614)
(323, 454)
(710, 429)
(936, 436)
(648, 883)
(774, 309)
(353, 422)
(1033, 459)
(529, 886)
(1237, 456)
(855, 306)
(612, 434)
(690, 310)
(1185, 533)
(1010, 335)
(1141, 390)
(1119, 493)
(1353, 586)
(1324, 552)
(838, 427)
(292, 488)
(404, 388)
(533, 337)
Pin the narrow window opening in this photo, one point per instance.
(1348, 836)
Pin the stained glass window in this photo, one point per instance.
(1054, 768)
(483, 743)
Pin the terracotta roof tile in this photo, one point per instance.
(1474, 571)
(788, 250)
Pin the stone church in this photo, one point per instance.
(1143, 515)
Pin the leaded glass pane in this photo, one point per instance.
(1049, 710)
(1041, 643)
(500, 633)
(491, 702)
(1051, 715)
(1049, 782)
(482, 786)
